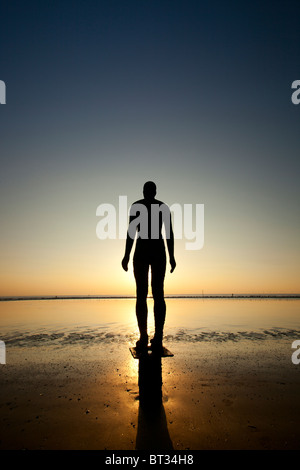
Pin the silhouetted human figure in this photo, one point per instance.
(147, 217)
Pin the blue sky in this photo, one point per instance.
(103, 96)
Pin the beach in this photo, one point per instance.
(70, 382)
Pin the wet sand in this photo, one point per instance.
(214, 395)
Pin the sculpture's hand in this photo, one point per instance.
(125, 261)
(173, 264)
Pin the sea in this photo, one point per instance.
(100, 320)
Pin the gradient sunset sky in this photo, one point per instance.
(105, 95)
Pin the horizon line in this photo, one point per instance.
(167, 296)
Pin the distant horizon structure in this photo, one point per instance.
(169, 296)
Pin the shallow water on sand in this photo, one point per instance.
(88, 322)
(70, 381)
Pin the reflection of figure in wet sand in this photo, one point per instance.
(147, 218)
(152, 433)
